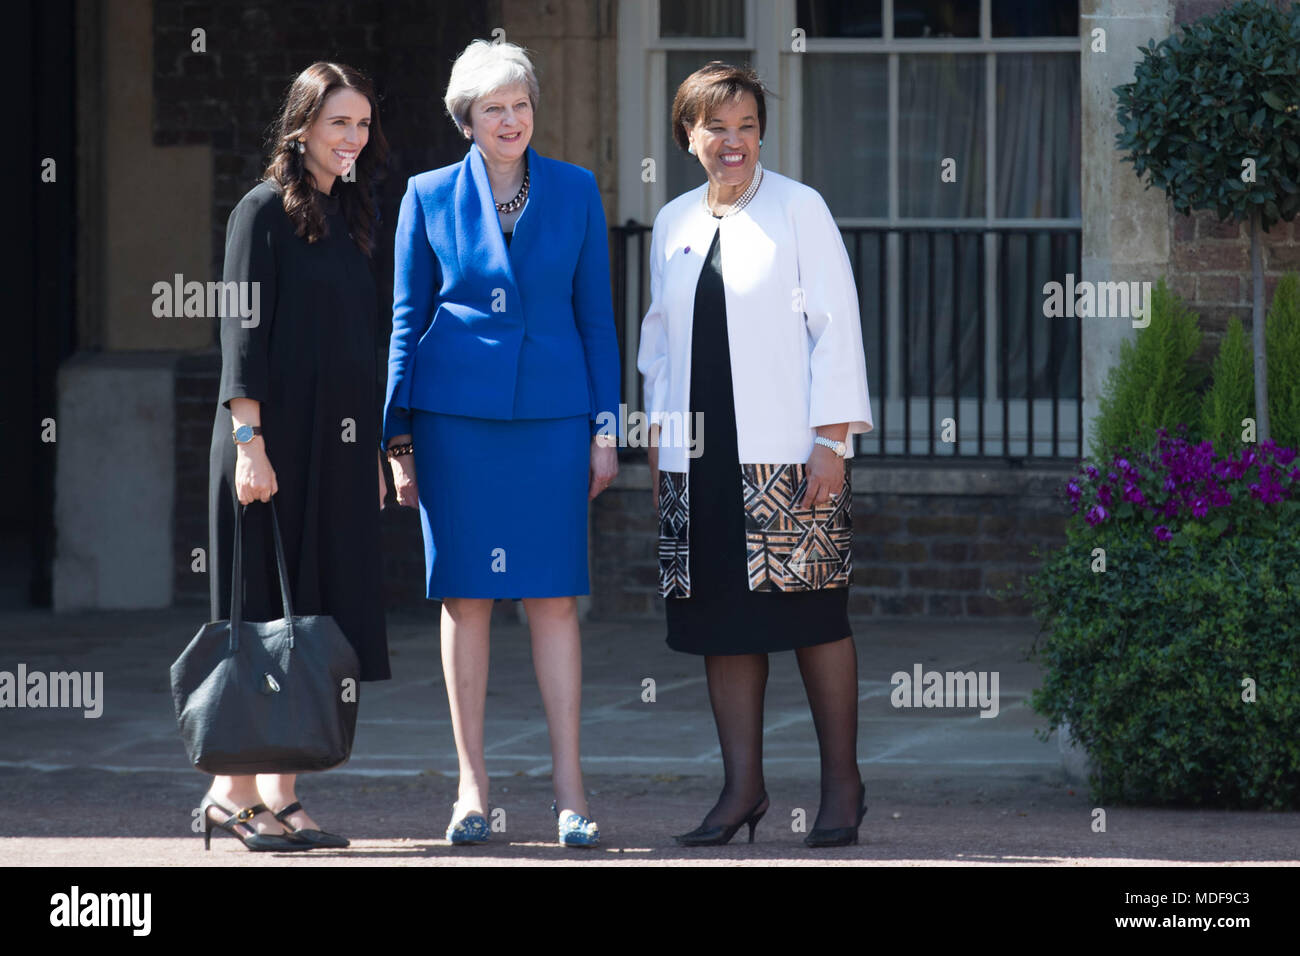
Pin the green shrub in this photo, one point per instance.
(1200, 591)
(1152, 385)
(1282, 334)
(1232, 396)
(1146, 662)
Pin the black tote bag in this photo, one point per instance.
(266, 697)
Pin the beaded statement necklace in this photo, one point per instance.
(521, 197)
(745, 197)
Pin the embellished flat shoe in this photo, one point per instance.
(467, 829)
(317, 838)
(573, 829)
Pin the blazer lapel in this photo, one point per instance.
(479, 239)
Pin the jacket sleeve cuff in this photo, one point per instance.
(397, 421)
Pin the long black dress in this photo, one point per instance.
(722, 615)
(311, 363)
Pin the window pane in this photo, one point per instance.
(1038, 135)
(681, 170)
(1031, 261)
(942, 285)
(1034, 18)
(846, 132)
(938, 18)
(839, 18)
(941, 117)
(701, 18)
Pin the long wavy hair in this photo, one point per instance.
(302, 104)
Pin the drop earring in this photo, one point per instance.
(302, 148)
(691, 150)
(760, 142)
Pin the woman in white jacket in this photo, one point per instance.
(753, 331)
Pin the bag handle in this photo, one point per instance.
(236, 577)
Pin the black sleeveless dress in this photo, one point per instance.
(722, 615)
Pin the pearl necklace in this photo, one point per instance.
(744, 199)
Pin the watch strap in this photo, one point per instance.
(839, 447)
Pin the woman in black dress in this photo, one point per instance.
(298, 411)
(754, 331)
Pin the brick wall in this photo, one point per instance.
(1210, 268)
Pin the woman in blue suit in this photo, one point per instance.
(502, 358)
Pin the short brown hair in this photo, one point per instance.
(707, 89)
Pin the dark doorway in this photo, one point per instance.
(42, 324)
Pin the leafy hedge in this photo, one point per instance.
(1201, 591)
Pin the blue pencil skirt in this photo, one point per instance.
(503, 505)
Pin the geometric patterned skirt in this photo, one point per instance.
(722, 615)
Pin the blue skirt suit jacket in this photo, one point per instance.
(501, 359)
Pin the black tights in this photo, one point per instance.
(736, 686)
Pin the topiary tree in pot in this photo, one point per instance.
(1212, 117)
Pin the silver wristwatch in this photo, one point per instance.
(838, 447)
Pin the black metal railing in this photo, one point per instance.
(961, 359)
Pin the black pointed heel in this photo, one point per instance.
(254, 842)
(839, 836)
(719, 835)
(317, 838)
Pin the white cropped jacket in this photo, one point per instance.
(792, 321)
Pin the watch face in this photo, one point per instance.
(244, 433)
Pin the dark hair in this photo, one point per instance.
(302, 104)
(707, 89)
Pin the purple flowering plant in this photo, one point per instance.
(1180, 486)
